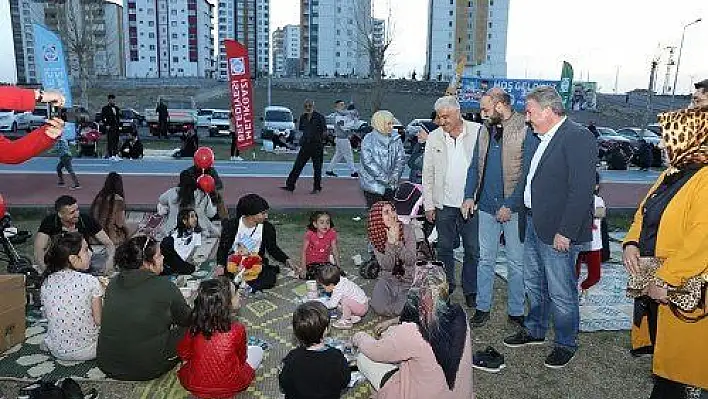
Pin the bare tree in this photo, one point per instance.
(375, 45)
(81, 25)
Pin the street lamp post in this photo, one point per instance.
(678, 63)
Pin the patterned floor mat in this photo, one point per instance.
(605, 307)
(267, 316)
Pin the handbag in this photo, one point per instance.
(685, 299)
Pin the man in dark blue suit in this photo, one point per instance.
(558, 200)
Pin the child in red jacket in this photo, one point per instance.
(216, 360)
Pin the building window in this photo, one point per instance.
(449, 46)
(150, 35)
(449, 24)
(174, 24)
(175, 60)
(336, 54)
(451, 13)
(151, 23)
(491, 3)
(173, 12)
(490, 25)
(489, 36)
(175, 47)
(152, 47)
(174, 36)
(153, 59)
(489, 46)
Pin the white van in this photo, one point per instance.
(277, 119)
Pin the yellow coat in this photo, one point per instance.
(682, 242)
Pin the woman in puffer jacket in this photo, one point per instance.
(382, 159)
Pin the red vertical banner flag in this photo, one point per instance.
(241, 92)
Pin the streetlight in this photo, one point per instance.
(678, 63)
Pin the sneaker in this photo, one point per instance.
(488, 360)
(330, 173)
(342, 324)
(238, 159)
(479, 319)
(558, 358)
(75, 187)
(517, 321)
(232, 158)
(522, 338)
(355, 175)
(354, 319)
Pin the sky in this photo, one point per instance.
(598, 37)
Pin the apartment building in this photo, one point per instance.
(333, 37)
(169, 38)
(248, 22)
(472, 30)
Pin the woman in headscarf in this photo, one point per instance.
(671, 227)
(382, 159)
(250, 228)
(427, 355)
(394, 247)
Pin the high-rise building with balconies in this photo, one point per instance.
(248, 22)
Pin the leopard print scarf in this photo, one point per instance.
(685, 134)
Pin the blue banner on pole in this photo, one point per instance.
(472, 89)
(51, 67)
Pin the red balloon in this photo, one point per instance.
(2, 206)
(204, 158)
(206, 183)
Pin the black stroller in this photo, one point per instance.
(16, 263)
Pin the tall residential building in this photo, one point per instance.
(248, 22)
(95, 26)
(378, 31)
(286, 51)
(169, 38)
(332, 37)
(23, 13)
(472, 30)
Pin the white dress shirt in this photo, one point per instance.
(456, 173)
(545, 140)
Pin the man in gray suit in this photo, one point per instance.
(558, 200)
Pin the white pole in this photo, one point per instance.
(678, 63)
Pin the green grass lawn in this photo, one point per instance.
(602, 368)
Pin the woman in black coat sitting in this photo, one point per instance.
(250, 228)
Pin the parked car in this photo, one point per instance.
(277, 119)
(634, 134)
(130, 120)
(11, 121)
(204, 117)
(38, 117)
(220, 123)
(607, 137)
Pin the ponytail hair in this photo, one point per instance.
(133, 253)
(61, 247)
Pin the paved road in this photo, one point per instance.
(169, 167)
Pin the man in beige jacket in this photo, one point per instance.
(448, 154)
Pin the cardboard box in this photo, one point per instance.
(12, 328)
(12, 310)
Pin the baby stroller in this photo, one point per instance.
(88, 140)
(408, 200)
(16, 263)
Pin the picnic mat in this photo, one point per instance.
(605, 307)
(267, 316)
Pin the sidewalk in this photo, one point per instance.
(142, 192)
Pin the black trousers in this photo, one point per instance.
(163, 128)
(316, 153)
(234, 146)
(112, 143)
(173, 263)
(667, 389)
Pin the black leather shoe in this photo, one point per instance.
(285, 188)
(330, 173)
(471, 300)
